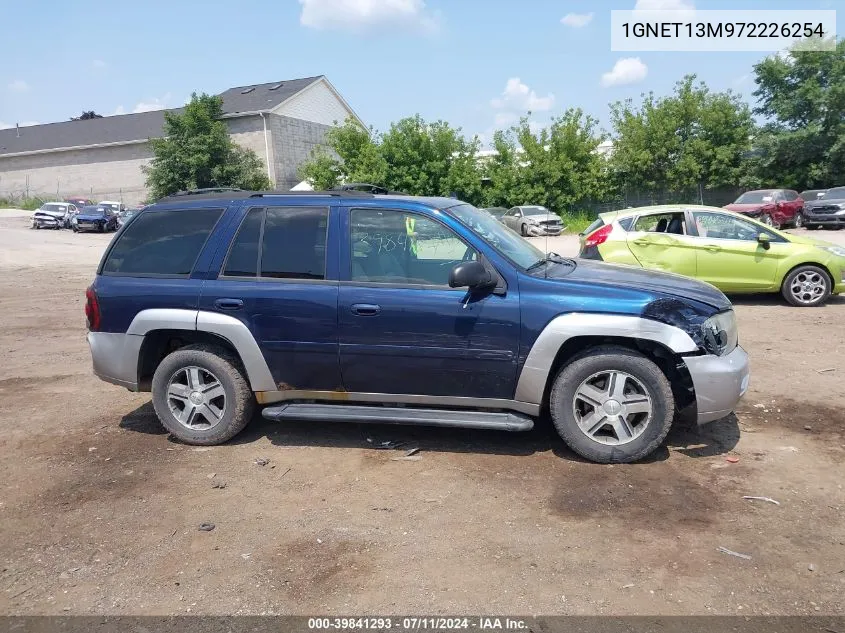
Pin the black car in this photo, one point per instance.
(826, 212)
(95, 218)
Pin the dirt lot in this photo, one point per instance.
(100, 509)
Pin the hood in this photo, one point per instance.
(667, 284)
(52, 214)
(543, 218)
(824, 202)
(747, 208)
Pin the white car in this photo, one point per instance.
(54, 215)
(116, 207)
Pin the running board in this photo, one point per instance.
(495, 420)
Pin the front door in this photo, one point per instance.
(275, 280)
(729, 255)
(403, 330)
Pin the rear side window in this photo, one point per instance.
(162, 243)
(626, 223)
(280, 243)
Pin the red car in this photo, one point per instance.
(80, 201)
(775, 207)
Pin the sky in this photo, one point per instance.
(478, 64)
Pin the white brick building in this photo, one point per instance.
(101, 158)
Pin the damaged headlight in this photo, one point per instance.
(719, 333)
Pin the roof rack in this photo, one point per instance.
(350, 193)
(196, 192)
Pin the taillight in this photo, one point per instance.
(598, 237)
(92, 310)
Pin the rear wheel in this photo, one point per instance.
(201, 396)
(612, 405)
(806, 286)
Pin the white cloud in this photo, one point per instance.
(504, 119)
(148, 105)
(649, 9)
(98, 63)
(19, 85)
(577, 20)
(664, 5)
(519, 97)
(364, 14)
(628, 70)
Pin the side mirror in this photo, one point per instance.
(764, 241)
(473, 275)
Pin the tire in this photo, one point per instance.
(101, 228)
(812, 227)
(215, 366)
(649, 387)
(806, 286)
(768, 221)
(522, 230)
(798, 222)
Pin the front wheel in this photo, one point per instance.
(201, 396)
(799, 220)
(612, 405)
(523, 231)
(767, 220)
(806, 286)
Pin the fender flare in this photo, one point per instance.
(538, 365)
(228, 327)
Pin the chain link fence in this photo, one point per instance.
(32, 197)
(632, 198)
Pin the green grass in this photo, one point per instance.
(28, 204)
(576, 221)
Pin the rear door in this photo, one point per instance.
(280, 279)
(659, 241)
(729, 255)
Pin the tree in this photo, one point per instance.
(693, 138)
(86, 114)
(803, 97)
(557, 166)
(196, 152)
(413, 156)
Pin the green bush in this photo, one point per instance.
(28, 204)
(576, 221)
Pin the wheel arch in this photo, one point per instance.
(815, 263)
(165, 330)
(570, 335)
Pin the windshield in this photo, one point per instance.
(109, 206)
(92, 211)
(837, 193)
(505, 241)
(535, 211)
(755, 197)
(54, 207)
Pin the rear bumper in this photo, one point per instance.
(719, 382)
(115, 357)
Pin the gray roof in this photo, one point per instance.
(144, 125)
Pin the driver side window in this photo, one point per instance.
(403, 248)
(720, 226)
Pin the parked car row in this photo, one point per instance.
(80, 215)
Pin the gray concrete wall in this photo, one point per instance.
(105, 173)
(293, 140)
(114, 173)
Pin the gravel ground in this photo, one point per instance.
(101, 508)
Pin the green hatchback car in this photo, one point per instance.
(734, 253)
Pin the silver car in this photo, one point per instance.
(531, 221)
(53, 215)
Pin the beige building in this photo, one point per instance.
(101, 158)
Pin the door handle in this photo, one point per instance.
(229, 304)
(713, 248)
(642, 242)
(365, 309)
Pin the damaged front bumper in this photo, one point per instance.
(719, 382)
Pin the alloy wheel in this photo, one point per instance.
(196, 398)
(808, 287)
(612, 407)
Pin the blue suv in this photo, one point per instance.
(350, 306)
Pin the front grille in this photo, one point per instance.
(550, 222)
(823, 210)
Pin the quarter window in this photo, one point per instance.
(404, 248)
(162, 243)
